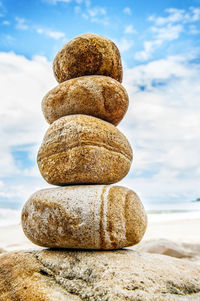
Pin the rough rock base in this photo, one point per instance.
(96, 276)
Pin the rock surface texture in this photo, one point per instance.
(102, 276)
(80, 149)
(99, 96)
(90, 217)
(88, 54)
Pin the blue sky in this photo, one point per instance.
(40, 27)
(160, 48)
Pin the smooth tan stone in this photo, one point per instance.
(86, 216)
(80, 149)
(99, 96)
(123, 275)
(88, 54)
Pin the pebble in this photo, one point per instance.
(88, 54)
(85, 217)
(81, 149)
(99, 96)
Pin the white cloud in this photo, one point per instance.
(57, 1)
(87, 3)
(2, 10)
(124, 44)
(85, 16)
(64, 1)
(195, 14)
(149, 48)
(193, 29)
(163, 124)
(174, 15)
(168, 33)
(127, 10)
(52, 34)
(6, 22)
(23, 84)
(177, 15)
(10, 39)
(161, 35)
(169, 28)
(130, 29)
(95, 14)
(54, 2)
(77, 9)
(96, 11)
(21, 24)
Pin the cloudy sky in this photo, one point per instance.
(160, 47)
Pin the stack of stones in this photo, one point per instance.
(84, 152)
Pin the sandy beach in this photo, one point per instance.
(184, 230)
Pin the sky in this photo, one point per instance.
(159, 43)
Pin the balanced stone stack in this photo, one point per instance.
(84, 151)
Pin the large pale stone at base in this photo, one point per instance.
(102, 276)
(87, 217)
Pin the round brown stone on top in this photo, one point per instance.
(88, 54)
(95, 95)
